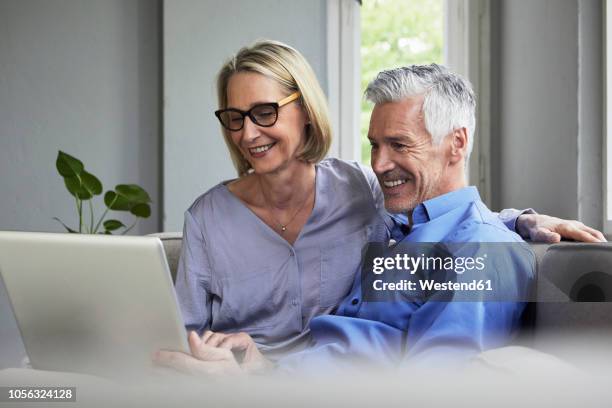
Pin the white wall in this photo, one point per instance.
(548, 107)
(83, 77)
(199, 35)
(591, 112)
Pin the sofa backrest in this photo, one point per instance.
(573, 284)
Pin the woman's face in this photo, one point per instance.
(267, 149)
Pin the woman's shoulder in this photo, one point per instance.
(214, 197)
(336, 163)
(342, 167)
(349, 170)
(352, 174)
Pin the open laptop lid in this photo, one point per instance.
(91, 303)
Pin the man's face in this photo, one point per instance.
(409, 167)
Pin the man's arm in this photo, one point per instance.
(543, 228)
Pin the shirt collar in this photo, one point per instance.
(440, 205)
(431, 209)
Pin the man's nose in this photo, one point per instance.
(381, 162)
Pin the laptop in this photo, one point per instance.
(94, 304)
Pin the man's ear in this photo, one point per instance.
(459, 145)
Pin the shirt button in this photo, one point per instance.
(354, 302)
(290, 253)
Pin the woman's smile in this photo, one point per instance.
(260, 151)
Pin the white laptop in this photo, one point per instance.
(92, 304)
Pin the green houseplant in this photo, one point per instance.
(84, 186)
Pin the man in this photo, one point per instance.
(421, 132)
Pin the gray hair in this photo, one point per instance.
(449, 101)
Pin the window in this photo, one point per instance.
(365, 37)
(396, 33)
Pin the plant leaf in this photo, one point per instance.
(75, 187)
(70, 230)
(112, 225)
(141, 210)
(79, 183)
(116, 201)
(133, 193)
(67, 165)
(91, 183)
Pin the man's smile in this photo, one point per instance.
(394, 183)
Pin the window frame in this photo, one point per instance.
(467, 51)
(343, 76)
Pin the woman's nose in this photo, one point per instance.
(250, 130)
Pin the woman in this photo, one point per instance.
(267, 252)
(281, 244)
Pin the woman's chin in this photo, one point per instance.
(265, 168)
(273, 167)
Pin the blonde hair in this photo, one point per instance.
(291, 71)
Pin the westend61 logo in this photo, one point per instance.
(447, 272)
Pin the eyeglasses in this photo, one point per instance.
(264, 114)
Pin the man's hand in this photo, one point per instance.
(543, 228)
(204, 359)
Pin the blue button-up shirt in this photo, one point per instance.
(427, 331)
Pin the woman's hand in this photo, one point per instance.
(213, 355)
(242, 346)
(204, 359)
(543, 228)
